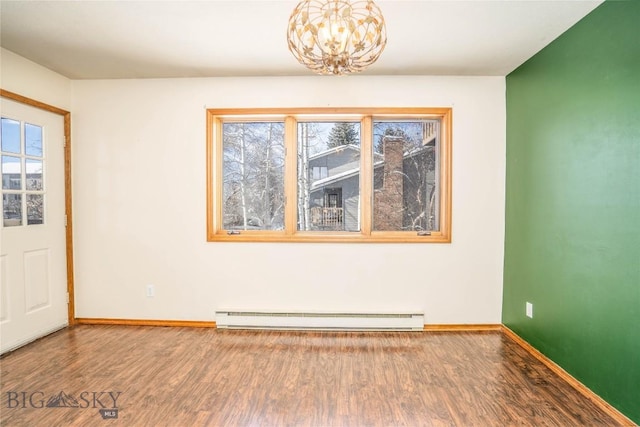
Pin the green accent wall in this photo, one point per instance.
(572, 245)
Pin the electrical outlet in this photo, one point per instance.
(151, 291)
(529, 310)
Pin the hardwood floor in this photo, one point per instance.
(154, 376)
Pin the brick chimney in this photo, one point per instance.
(388, 201)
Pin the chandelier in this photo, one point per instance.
(336, 36)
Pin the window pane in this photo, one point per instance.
(33, 140)
(329, 176)
(34, 175)
(11, 173)
(405, 176)
(10, 135)
(253, 176)
(35, 209)
(12, 209)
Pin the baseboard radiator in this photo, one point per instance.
(320, 321)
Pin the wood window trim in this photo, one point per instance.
(215, 230)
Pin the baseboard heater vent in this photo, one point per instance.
(320, 321)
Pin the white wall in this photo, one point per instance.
(139, 205)
(26, 78)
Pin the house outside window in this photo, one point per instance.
(319, 172)
(349, 175)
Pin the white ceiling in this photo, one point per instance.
(151, 39)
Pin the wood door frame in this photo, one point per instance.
(66, 116)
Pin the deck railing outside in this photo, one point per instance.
(327, 217)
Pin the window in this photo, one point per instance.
(329, 175)
(22, 173)
(253, 175)
(319, 172)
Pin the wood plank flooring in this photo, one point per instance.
(209, 377)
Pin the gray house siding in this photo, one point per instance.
(351, 203)
(337, 162)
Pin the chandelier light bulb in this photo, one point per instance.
(336, 36)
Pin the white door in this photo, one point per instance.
(33, 279)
